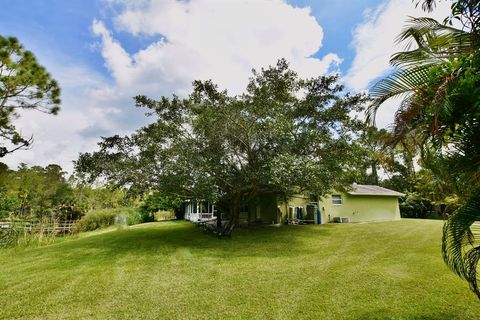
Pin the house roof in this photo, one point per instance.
(371, 190)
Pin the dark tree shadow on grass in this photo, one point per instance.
(166, 239)
(385, 314)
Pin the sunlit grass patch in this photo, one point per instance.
(170, 270)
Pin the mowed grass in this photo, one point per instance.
(384, 270)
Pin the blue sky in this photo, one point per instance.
(339, 28)
(103, 52)
(62, 29)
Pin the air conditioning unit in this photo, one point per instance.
(345, 220)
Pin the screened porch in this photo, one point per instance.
(199, 211)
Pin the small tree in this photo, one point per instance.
(284, 135)
(24, 84)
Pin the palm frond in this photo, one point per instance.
(429, 43)
(428, 40)
(461, 241)
(413, 58)
(406, 120)
(401, 83)
(427, 5)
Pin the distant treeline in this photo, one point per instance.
(46, 192)
(38, 193)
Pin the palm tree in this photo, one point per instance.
(437, 78)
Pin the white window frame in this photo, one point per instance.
(335, 200)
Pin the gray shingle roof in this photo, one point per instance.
(371, 190)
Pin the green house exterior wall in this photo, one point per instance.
(355, 207)
(295, 201)
(362, 208)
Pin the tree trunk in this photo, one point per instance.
(219, 220)
(409, 163)
(374, 172)
(234, 215)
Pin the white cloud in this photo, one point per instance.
(207, 39)
(374, 38)
(196, 39)
(57, 139)
(374, 43)
(117, 60)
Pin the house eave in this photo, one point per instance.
(377, 194)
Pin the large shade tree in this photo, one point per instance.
(438, 80)
(284, 135)
(24, 85)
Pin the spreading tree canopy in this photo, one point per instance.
(284, 135)
(24, 84)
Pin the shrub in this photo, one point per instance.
(106, 217)
(133, 216)
(414, 207)
(8, 203)
(96, 219)
(147, 217)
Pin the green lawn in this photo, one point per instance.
(389, 270)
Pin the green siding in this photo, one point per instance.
(356, 208)
(363, 208)
(295, 201)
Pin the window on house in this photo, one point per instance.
(336, 199)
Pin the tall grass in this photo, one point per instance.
(106, 217)
(22, 234)
(26, 234)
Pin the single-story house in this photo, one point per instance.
(360, 203)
